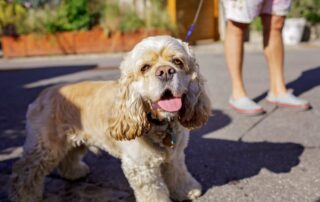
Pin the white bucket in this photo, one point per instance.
(293, 30)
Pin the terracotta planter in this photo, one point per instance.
(130, 39)
(155, 32)
(117, 42)
(50, 44)
(14, 46)
(66, 42)
(94, 41)
(38, 45)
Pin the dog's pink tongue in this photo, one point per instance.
(170, 105)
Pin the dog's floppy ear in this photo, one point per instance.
(197, 106)
(129, 119)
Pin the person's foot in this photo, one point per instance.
(288, 100)
(245, 106)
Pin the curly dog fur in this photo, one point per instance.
(114, 116)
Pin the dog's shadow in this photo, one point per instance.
(216, 162)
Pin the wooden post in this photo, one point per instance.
(172, 10)
(207, 24)
(216, 19)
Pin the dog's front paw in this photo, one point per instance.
(75, 172)
(190, 190)
(194, 194)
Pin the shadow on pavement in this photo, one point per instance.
(15, 98)
(308, 80)
(216, 162)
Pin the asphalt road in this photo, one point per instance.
(273, 157)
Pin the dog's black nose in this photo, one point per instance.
(165, 73)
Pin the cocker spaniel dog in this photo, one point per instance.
(143, 119)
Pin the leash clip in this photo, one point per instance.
(170, 139)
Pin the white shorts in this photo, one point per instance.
(246, 10)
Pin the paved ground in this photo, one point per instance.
(274, 157)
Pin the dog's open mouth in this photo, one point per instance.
(168, 102)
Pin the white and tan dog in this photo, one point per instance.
(143, 118)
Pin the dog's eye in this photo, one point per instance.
(177, 61)
(145, 67)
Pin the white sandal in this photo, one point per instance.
(245, 106)
(288, 100)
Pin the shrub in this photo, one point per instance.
(11, 17)
(309, 9)
(130, 22)
(36, 21)
(110, 17)
(71, 15)
(159, 17)
(43, 16)
(256, 24)
(127, 19)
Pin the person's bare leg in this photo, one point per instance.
(233, 46)
(274, 51)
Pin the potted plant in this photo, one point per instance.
(302, 12)
(35, 33)
(103, 37)
(77, 26)
(312, 14)
(71, 17)
(11, 16)
(155, 21)
(39, 40)
(131, 28)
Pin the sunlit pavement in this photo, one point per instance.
(273, 157)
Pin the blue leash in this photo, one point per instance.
(193, 25)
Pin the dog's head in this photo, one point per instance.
(160, 76)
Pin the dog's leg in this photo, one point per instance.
(180, 182)
(146, 180)
(39, 158)
(72, 167)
